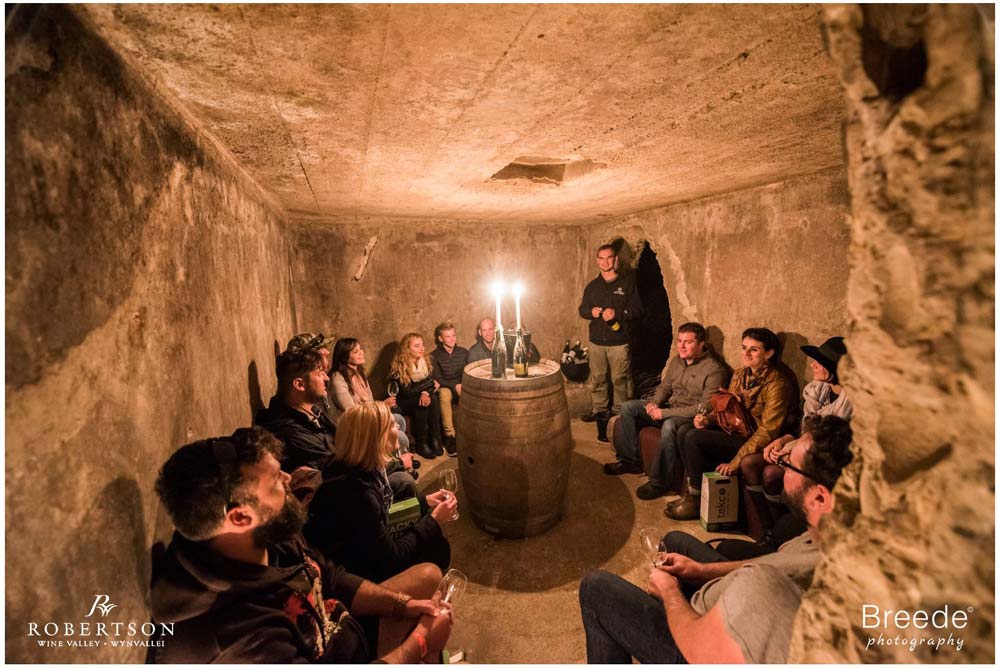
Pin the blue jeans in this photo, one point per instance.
(634, 418)
(684, 543)
(622, 621)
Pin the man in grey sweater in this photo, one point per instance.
(690, 379)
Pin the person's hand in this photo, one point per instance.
(596, 312)
(700, 421)
(407, 460)
(725, 469)
(458, 389)
(391, 402)
(437, 386)
(444, 511)
(436, 629)
(650, 407)
(608, 314)
(661, 582)
(772, 451)
(682, 567)
(437, 497)
(425, 399)
(421, 607)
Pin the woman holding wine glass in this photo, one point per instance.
(349, 515)
(418, 395)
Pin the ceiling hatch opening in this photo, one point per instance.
(554, 171)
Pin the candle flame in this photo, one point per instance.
(497, 289)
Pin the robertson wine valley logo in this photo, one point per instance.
(100, 633)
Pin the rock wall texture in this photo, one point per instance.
(422, 272)
(914, 525)
(772, 256)
(146, 282)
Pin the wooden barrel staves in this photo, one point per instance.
(514, 448)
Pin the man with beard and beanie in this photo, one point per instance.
(710, 612)
(239, 585)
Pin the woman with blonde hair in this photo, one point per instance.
(418, 395)
(349, 515)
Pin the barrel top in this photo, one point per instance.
(483, 370)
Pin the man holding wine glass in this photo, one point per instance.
(689, 379)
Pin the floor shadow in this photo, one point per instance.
(596, 505)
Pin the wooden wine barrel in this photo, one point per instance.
(514, 448)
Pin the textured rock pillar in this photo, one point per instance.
(914, 525)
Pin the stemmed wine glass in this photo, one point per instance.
(452, 586)
(448, 481)
(393, 388)
(649, 539)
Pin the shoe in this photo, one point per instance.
(671, 504)
(413, 473)
(687, 509)
(425, 451)
(650, 491)
(619, 468)
(416, 464)
(436, 447)
(449, 446)
(589, 418)
(602, 427)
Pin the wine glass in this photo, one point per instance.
(649, 539)
(448, 481)
(452, 586)
(393, 388)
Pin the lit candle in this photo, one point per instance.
(498, 293)
(518, 289)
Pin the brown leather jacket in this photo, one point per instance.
(772, 397)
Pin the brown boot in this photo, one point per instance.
(688, 508)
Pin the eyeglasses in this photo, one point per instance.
(783, 462)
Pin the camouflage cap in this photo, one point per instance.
(310, 341)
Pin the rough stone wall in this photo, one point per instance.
(772, 256)
(914, 524)
(421, 272)
(146, 282)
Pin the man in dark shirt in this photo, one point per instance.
(482, 349)
(610, 302)
(238, 585)
(448, 361)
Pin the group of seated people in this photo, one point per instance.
(284, 550)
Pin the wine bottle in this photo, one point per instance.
(498, 360)
(520, 356)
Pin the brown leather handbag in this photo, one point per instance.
(731, 415)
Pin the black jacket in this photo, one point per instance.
(349, 523)
(447, 367)
(307, 442)
(229, 611)
(619, 294)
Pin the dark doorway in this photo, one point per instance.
(652, 335)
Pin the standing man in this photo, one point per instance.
(482, 349)
(609, 302)
(690, 379)
(448, 361)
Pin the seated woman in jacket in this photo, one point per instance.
(418, 397)
(349, 385)
(823, 396)
(349, 515)
(768, 391)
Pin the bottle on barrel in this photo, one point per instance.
(520, 356)
(498, 363)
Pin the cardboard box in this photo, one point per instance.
(404, 513)
(720, 501)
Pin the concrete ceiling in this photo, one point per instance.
(407, 110)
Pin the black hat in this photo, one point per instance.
(828, 354)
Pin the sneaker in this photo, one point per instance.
(449, 446)
(650, 491)
(620, 468)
